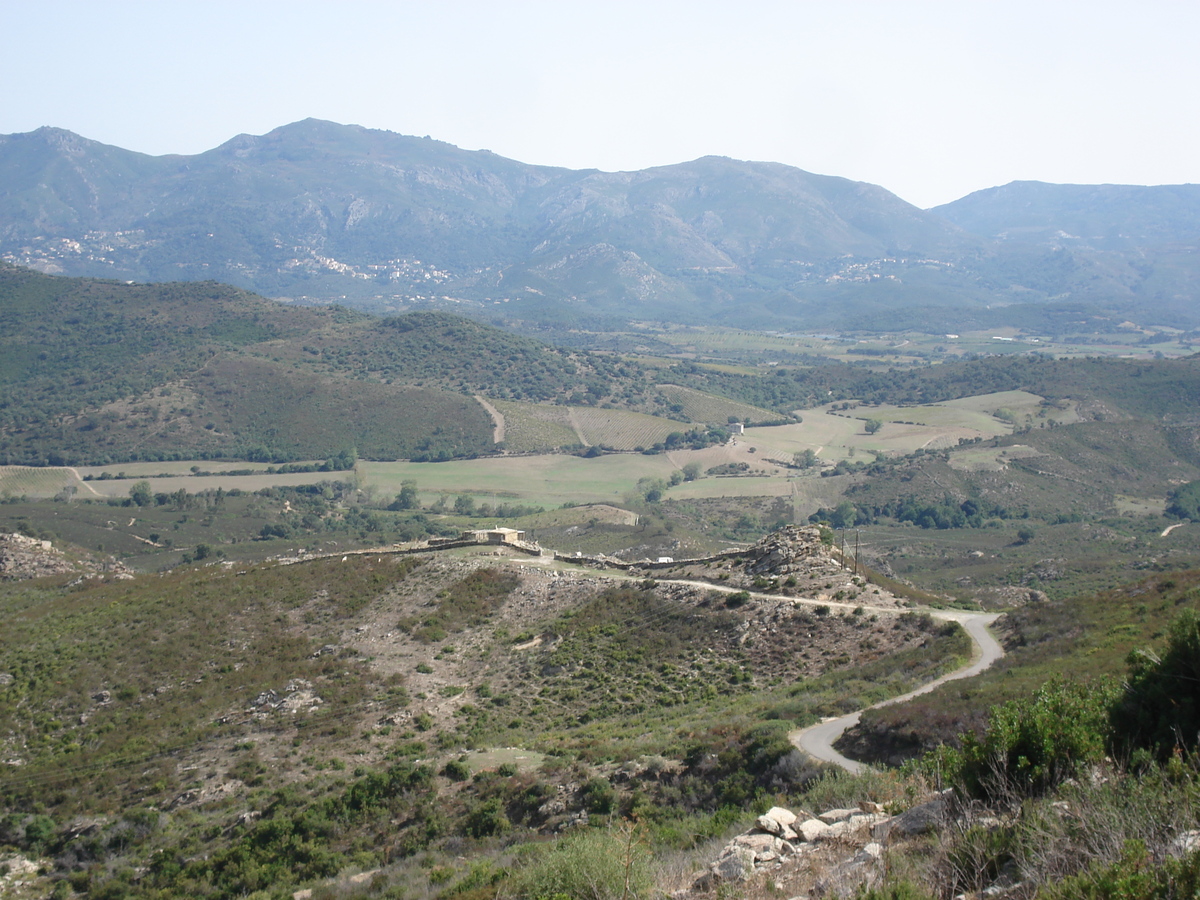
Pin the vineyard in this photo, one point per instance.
(530, 428)
(712, 410)
(621, 429)
(17, 481)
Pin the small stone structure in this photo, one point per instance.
(494, 536)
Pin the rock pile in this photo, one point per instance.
(25, 557)
(792, 548)
(836, 850)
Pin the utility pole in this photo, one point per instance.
(855, 551)
(843, 548)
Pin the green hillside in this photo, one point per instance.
(93, 372)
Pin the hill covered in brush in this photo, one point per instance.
(95, 371)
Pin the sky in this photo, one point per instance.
(931, 100)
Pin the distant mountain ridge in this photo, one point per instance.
(1103, 216)
(317, 211)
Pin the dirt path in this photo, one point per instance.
(497, 419)
(79, 478)
(817, 740)
(575, 424)
(1171, 528)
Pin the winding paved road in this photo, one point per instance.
(817, 740)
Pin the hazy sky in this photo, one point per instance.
(932, 100)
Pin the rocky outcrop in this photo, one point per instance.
(791, 548)
(25, 557)
(782, 839)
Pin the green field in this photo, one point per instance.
(547, 480)
(910, 346)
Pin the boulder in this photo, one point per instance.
(781, 815)
(812, 830)
(761, 845)
(736, 864)
(768, 825)
(922, 819)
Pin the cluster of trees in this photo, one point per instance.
(1185, 502)
(692, 439)
(970, 513)
(651, 489)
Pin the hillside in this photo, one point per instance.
(1142, 238)
(93, 372)
(274, 725)
(324, 212)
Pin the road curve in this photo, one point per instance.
(817, 740)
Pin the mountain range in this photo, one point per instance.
(317, 212)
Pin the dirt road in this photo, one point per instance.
(817, 740)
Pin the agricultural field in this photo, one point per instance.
(25, 481)
(194, 484)
(621, 429)
(175, 467)
(908, 347)
(530, 428)
(533, 428)
(164, 477)
(701, 407)
(547, 480)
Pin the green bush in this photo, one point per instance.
(589, 865)
(1135, 876)
(1160, 708)
(598, 796)
(487, 819)
(1031, 746)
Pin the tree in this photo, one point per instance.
(464, 504)
(1031, 746)
(1185, 502)
(806, 459)
(872, 426)
(141, 494)
(407, 498)
(1025, 535)
(691, 471)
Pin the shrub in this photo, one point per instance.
(1135, 876)
(589, 865)
(487, 819)
(1031, 746)
(737, 598)
(598, 796)
(1160, 708)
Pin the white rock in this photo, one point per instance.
(812, 830)
(1185, 842)
(737, 865)
(873, 850)
(781, 815)
(769, 825)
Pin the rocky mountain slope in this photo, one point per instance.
(321, 211)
